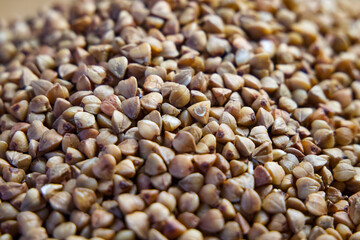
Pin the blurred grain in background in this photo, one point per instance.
(10, 9)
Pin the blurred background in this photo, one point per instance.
(10, 9)
(22, 8)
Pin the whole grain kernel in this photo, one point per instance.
(212, 221)
(148, 129)
(274, 203)
(184, 142)
(181, 166)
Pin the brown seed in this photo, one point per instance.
(59, 173)
(96, 74)
(212, 221)
(11, 174)
(259, 135)
(354, 208)
(64, 230)
(125, 168)
(153, 83)
(127, 87)
(263, 153)
(154, 165)
(274, 203)
(306, 186)
(39, 104)
(84, 120)
(250, 202)
(264, 118)
(131, 107)
(217, 46)
(316, 204)
(32, 201)
(28, 220)
(141, 54)
(162, 181)
(225, 134)
(151, 101)
(18, 159)
(215, 176)
(200, 111)
(104, 167)
(209, 194)
(221, 95)
(83, 198)
(274, 235)
(19, 142)
(179, 96)
(130, 203)
(181, 166)
(191, 234)
(343, 172)
(19, 110)
(232, 81)
(170, 123)
(148, 129)
(324, 138)
(184, 142)
(49, 141)
(62, 202)
(57, 91)
(244, 145)
(120, 122)
(139, 223)
(157, 212)
(192, 182)
(296, 220)
(7, 211)
(189, 202)
(343, 136)
(173, 228)
(316, 161)
(205, 161)
(101, 218)
(117, 66)
(91, 104)
(276, 171)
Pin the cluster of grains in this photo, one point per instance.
(213, 119)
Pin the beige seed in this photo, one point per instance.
(306, 186)
(184, 142)
(64, 230)
(250, 201)
(200, 111)
(141, 54)
(343, 172)
(316, 204)
(296, 220)
(274, 203)
(148, 129)
(212, 221)
(84, 120)
(130, 203)
(101, 218)
(83, 198)
(276, 171)
(179, 96)
(139, 223)
(117, 66)
(181, 166)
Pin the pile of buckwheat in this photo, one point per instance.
(180, 119)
